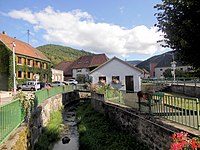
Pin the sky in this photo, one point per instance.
(121, 28)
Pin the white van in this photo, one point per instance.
(29, 85)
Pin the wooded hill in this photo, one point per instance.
(57, 53)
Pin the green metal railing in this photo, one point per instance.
(183, 110)
(44, 94)
(11, 117)
(11, 114)
(115, 96)
(192, 81)
(179, 109)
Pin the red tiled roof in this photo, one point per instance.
(90, 61)
(22, 48)
(82, 62)
(66, 67)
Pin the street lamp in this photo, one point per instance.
(173, 65)
(14, 74)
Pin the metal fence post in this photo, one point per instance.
(197, 106)
(150, 100)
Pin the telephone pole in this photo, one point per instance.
(28, 33)
(14, 74)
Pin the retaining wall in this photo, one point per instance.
(154, 133)
(193, 91)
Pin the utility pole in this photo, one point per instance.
(28, 32)
(173, 65)
(14, 74)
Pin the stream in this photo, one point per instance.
(70, 135)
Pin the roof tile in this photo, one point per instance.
(22, 47)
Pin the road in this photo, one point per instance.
(6, 96)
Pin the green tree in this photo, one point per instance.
(179, 73)
(180, 22)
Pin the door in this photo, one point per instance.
(129, 84)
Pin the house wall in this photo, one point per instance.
(159, 70)
(117, 68)
(152, 69)
(57, 75)
(83, 71)
(36, 66)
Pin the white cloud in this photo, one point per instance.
(77, 28)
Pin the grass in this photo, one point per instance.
(98, 133)
(51, 132)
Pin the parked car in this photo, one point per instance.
(71, 81)
(29, 86)
(43, 85)
(56, 83)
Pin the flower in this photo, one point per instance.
(182, 141)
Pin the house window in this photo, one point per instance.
(45, 77)
(19, 74)
(115, 79)
(29, 62)
(19, 60)
(45, 66)
(161, 69)
(29, 75)
(38, 64)
(102, 80)
(79, 70)
(181, 68)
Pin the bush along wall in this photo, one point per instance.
(6, 69)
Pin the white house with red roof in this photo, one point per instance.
(82, 66)
(119, 74)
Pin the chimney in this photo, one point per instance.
(4, 32)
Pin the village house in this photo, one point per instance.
(57, 75)
(66, 67)
(80, 68)
(118, 74)
(166, 63)
(28, 62)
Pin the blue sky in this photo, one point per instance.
(122, 28)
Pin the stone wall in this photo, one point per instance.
(145, 128)
(70, 98)
(26, 136)
(40, 117)
(187, 90)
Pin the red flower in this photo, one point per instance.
(198, 144)
(174, 136)
(181, 141)
(193, 144)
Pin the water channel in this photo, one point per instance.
(70, 135)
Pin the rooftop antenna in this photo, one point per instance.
(28, 33)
